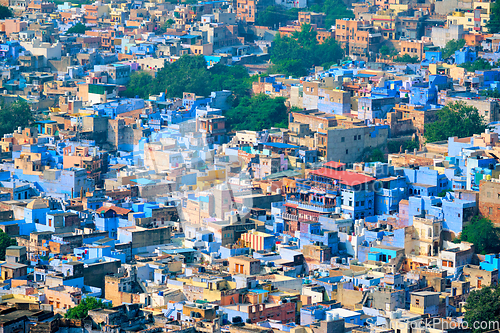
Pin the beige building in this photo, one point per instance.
(244, 265)
(63, 297)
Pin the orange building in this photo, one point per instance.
(412, 48)
(321, 34)
(244, 265)
(246, 10)
(357, 37)
(317, 19)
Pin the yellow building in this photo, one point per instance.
(210, 179)
(386, 20)
(472, 20)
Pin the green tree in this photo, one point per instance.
(442, 194)
(14, 115)
(273, 16)
(494, 93)
(493, 24)
(397, 146)
(385, 50)
(78, 28)
(483, 306)
(406, 58)
(455, 119)
(5, 12)
(258, 112)
(375, 155)
(297, 54)
(5, 242)
(333, 9)
(166, 25)
(478, 65)
(452, 46)
(190, 74)
(81, 310)
(483, 234)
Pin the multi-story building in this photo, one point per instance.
(311, 18)
(386, 21)
(214, 126)
(358, 37)
(244, 265)
(489, 200)
(246, 10)
(317, 96)
(349, 144)
(474, 19)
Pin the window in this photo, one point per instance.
(417, 302)
(490, 210)
(342, 139)
(347, 151)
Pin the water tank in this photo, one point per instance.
(336, 316)
(269, 189)
(329, 316)
(278, 191)
(488, 177)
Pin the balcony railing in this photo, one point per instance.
(293, 217)
(316, 207)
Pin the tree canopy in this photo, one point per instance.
(190, 74)
(78, 28)
(478, 65)
(397, 146)
(297, 54)
(493, 24)
(5, 242)
(273, 16)
(483, 306)
(483, 234)
(494, 93)
(387, 51)
(81, 310)
(452, 46)
(406, 58)
(258, 112)
(165, 25)
(5, 12)
(14, 115)
(334, 10)
(455, 119)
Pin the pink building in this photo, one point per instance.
(14, 25)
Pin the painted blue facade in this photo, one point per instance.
(425, 182)
(383, 254)
(423, 94)
(392, 191)
(114, 108)
(454, 212)
(491, 262)
(373, 107)
(390, 89)
(464, 55)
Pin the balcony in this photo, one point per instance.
(292, 217)
(313, 206)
